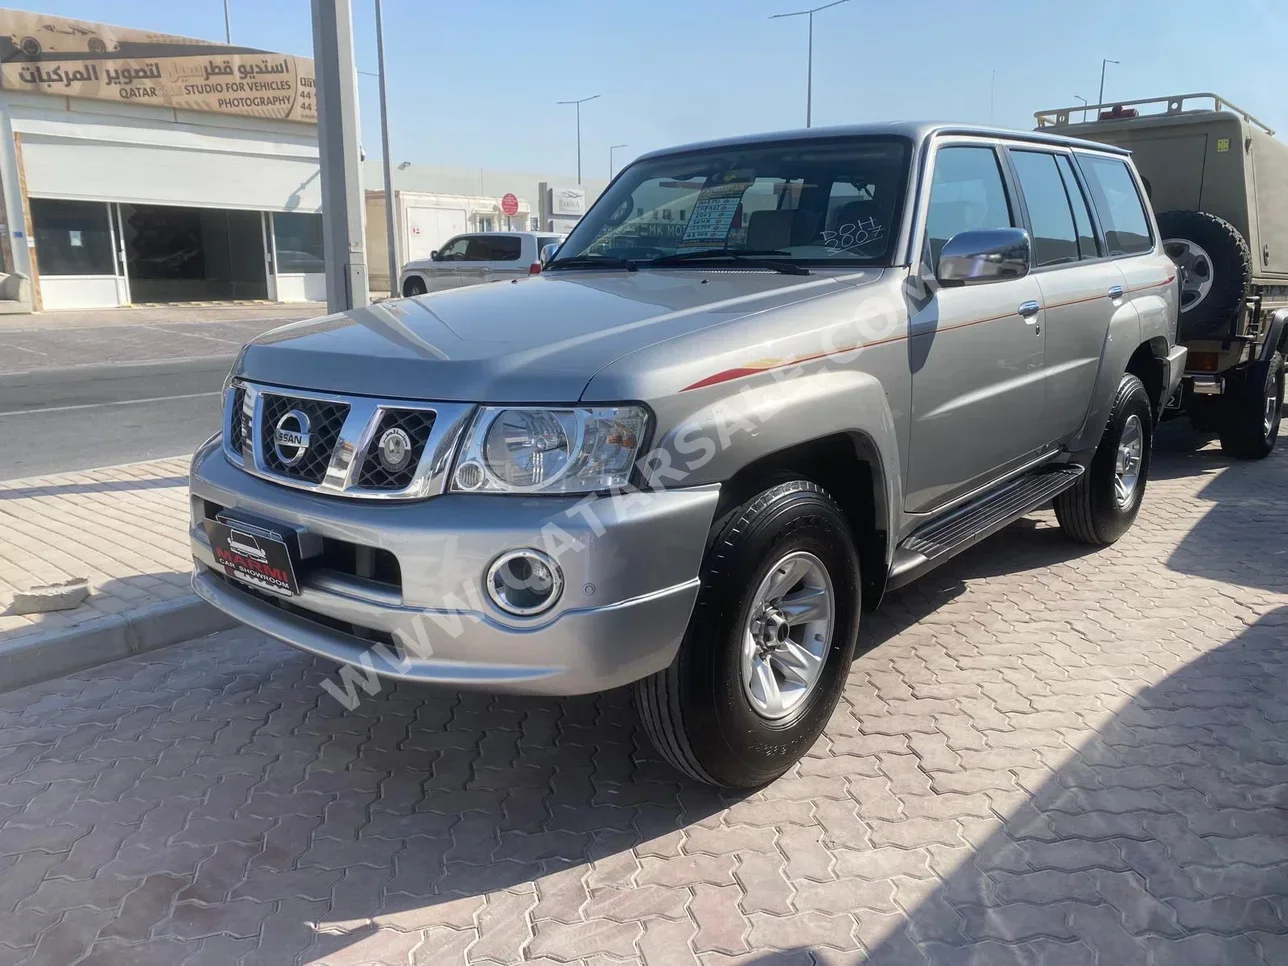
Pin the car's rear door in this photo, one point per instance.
(1080, 285)
(493, 258)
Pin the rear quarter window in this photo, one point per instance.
(1118, 203)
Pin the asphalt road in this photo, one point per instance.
(72, 419)
(117, 389)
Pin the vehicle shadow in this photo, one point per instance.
(1164, 839)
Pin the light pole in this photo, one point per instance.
(809, 64)
(578, 104)
(1103, 62)
(391, 233)
(611, 149)
(1085, 102)
(228, 28)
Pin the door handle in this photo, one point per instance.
(1115, 292)
(1029, 310)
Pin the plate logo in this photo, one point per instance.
(291, 437)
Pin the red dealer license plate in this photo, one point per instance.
(253, 555)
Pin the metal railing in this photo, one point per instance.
(1062, 116)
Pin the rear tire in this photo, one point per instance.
(1253, 409)
(708, 714)
(1096, 509)
(1215, 268)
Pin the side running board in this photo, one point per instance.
(966, 526)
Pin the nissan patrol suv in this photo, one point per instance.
(764, 381)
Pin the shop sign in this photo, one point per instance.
(76, 58)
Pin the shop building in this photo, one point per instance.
(141, 168)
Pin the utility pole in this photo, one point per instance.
(339, 154)
(1103, 62)
(228, 28)
(809, 59)
(578, 104)
(391, 232)
(611, 149)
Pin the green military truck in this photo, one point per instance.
(1218, 180)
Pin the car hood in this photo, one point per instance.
(538, 339)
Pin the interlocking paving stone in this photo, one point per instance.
(1044, 754)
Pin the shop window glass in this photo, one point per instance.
(298, 236)
(72, 237)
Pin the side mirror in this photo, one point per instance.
(433, 256)
(990, 255)
(548, 252)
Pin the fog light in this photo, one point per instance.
(524, 582)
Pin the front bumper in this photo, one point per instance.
(630, 564)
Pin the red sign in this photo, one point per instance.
(509, 204)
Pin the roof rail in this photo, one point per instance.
(1061, 116)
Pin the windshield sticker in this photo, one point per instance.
(851, 236)
(713, 214)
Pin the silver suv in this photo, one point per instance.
(763, 382)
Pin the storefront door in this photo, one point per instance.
(175, 254)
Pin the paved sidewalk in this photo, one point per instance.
(1045, 755)
(125, 528)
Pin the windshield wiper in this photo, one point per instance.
(591, 259)
(744, 256)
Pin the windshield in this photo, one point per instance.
(832, 202)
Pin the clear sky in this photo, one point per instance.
(474, 82)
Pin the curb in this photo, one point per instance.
(108, 638)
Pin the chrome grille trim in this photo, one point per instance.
(356, 437)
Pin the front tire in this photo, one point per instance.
(769, 646)
(414, 286)
(1103, 504)
(1252, 411)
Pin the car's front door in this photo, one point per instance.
(976, 351)
(1080, 289)
(444, 271)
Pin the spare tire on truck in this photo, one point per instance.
(1215, 268)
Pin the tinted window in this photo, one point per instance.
(298, 238)
(1122, 215)
(72, 237)
(1087, 244)
(493, 248)
(967, 193)
(1050, 216)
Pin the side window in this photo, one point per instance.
(1087, 244)
(1122, 213)
(454, 250)
(966, 193)
(1055, 241)
(494, 248)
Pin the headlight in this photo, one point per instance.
(538, 450)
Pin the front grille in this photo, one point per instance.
(417, 424)
(240, 427)
(325, 421)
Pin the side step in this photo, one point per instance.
(966, 526)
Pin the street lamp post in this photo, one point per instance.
(1085, 102)
(578, 104)
(1104, 61)
(391, 234)
(611, 149)
(809, 63)
(228, 25)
